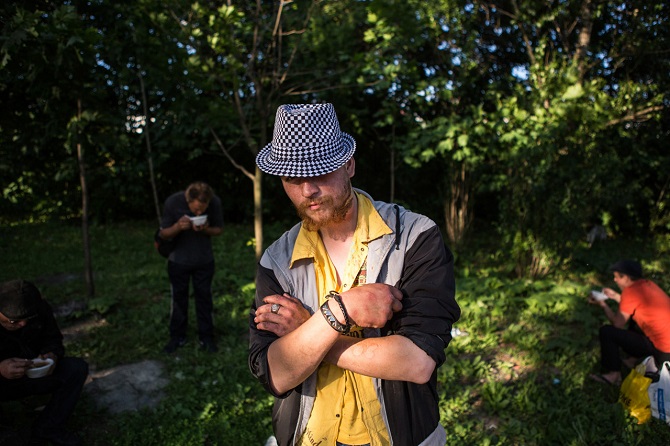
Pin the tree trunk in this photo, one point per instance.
(147, 139)
(258, 213)
(584, 37)
(88, 268)
(457, 213)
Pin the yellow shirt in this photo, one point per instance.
(346, 407)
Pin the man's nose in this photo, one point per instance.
(308, 189)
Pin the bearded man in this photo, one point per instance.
(354, 305)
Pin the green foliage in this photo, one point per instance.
(495, 113)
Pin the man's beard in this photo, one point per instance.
(334, 212)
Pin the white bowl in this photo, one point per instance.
(38, 372)
(198, 220)
(598, 295)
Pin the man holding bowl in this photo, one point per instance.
(30, 338)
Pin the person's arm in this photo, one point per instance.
(295, 356)
(214, 224)
(609, 292)
(423, 327)
(282, 363)
(390, 357)
(170, 232)
(14, 368)
(418, 334)
(212, 231)
(616, 318)
(378, 357)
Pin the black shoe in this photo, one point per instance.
(60, 437)
(209, 345)
(174, 344)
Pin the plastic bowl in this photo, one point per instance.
(598, 295)
(199, 220)
(42, 370)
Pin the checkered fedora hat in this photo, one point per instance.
(307, 142)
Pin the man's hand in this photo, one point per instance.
(14, 368)
(49, 355)
(370, 305)
(184, 223)
(609, 292)
(53, 357)
(289, 315)
(202, 227)
(593, 301)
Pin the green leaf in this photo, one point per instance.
(573, 92)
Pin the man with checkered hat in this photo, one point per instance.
(354, 305)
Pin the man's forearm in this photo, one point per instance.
(295, 356)
(616, 318)
(391, 357)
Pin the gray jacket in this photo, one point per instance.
(413, 258)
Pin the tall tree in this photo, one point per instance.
(255, 56)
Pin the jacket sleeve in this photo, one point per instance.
(428, 287)
(260, 340)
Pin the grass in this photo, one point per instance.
(519, 377)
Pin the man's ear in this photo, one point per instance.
(350, 166)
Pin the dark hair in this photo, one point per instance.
(199, 191)
(631, 268)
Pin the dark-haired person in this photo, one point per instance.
(641, 302)
(28, 330)
(354, 305)
(191, 260)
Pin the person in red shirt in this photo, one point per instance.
(645, 307)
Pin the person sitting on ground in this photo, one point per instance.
(646, 308)
(28, 330)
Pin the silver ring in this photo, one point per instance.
(275, 308)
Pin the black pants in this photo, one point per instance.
(64, 385)
(180, 277)
(631, 341)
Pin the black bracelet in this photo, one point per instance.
(337, 298)
(332, 320)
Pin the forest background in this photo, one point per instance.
(518, 126)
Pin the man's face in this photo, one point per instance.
(622, 280)
(198, 207)
(322, 200)
(12, 325)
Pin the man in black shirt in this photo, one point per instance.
(191, 217)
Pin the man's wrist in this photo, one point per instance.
(342, 315)
(332, 319)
